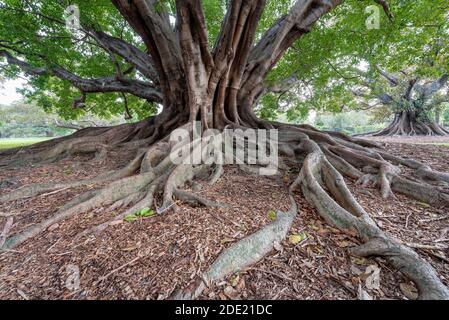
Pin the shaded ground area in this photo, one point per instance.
(150, 258)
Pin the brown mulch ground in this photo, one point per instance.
(151, 258)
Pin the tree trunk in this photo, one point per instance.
(409, 123)
(438, 116)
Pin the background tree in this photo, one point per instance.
(339, 56)
(174, 54)
(413, 102)
(20, 120)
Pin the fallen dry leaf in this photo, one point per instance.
(409, 291)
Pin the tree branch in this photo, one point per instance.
(106, 84)
(131, 54)
(391, 78)
(430, 88)
(156, 33)
(284, 85)
(409, 90)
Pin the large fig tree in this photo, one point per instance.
(204, 61)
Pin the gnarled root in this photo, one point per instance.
(154, 171)
(409, 263)
(145, 202)
(408, 124)
(242, 254)
(65, 148)
(98, 140)
(422, 171)
(382, 178)
(380, 172)
(116, 191)
(217, 173)
(179, 176)
(325, 158)
(348, 216)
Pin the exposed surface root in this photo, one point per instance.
(155, 167)
(179, 176)
(96, 140)
(145, 202)
(383, 179)
(422, 171)
(218, 172)
(117, 191)
(243, 253)
(7, 227)
(351, 218)
(64, 148)
(36, 189)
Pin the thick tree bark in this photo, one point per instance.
(220, 87)
(414, 104)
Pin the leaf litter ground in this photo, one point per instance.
(152, 257)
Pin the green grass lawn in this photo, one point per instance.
(441, 144)
(19, 142)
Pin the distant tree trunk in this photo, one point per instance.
(220, 88)
(411, 123)
(438, 116)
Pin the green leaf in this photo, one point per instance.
(272, 215)
(142, 213)
(130, 218)
(145, 212)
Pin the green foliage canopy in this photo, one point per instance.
(325, 63)
(329, 62)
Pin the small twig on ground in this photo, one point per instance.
(273, 274)
(159, 211)
(70, 295)
(5, 232)
(10, 251)
(277, 295)
(7, 214)
(425, 246)
(53, 192)
(120, 268)
(63, 254)
(406, 219)
(343, 285)
(439, 256)
(53, 245)
(384, 217)
(435, 219)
